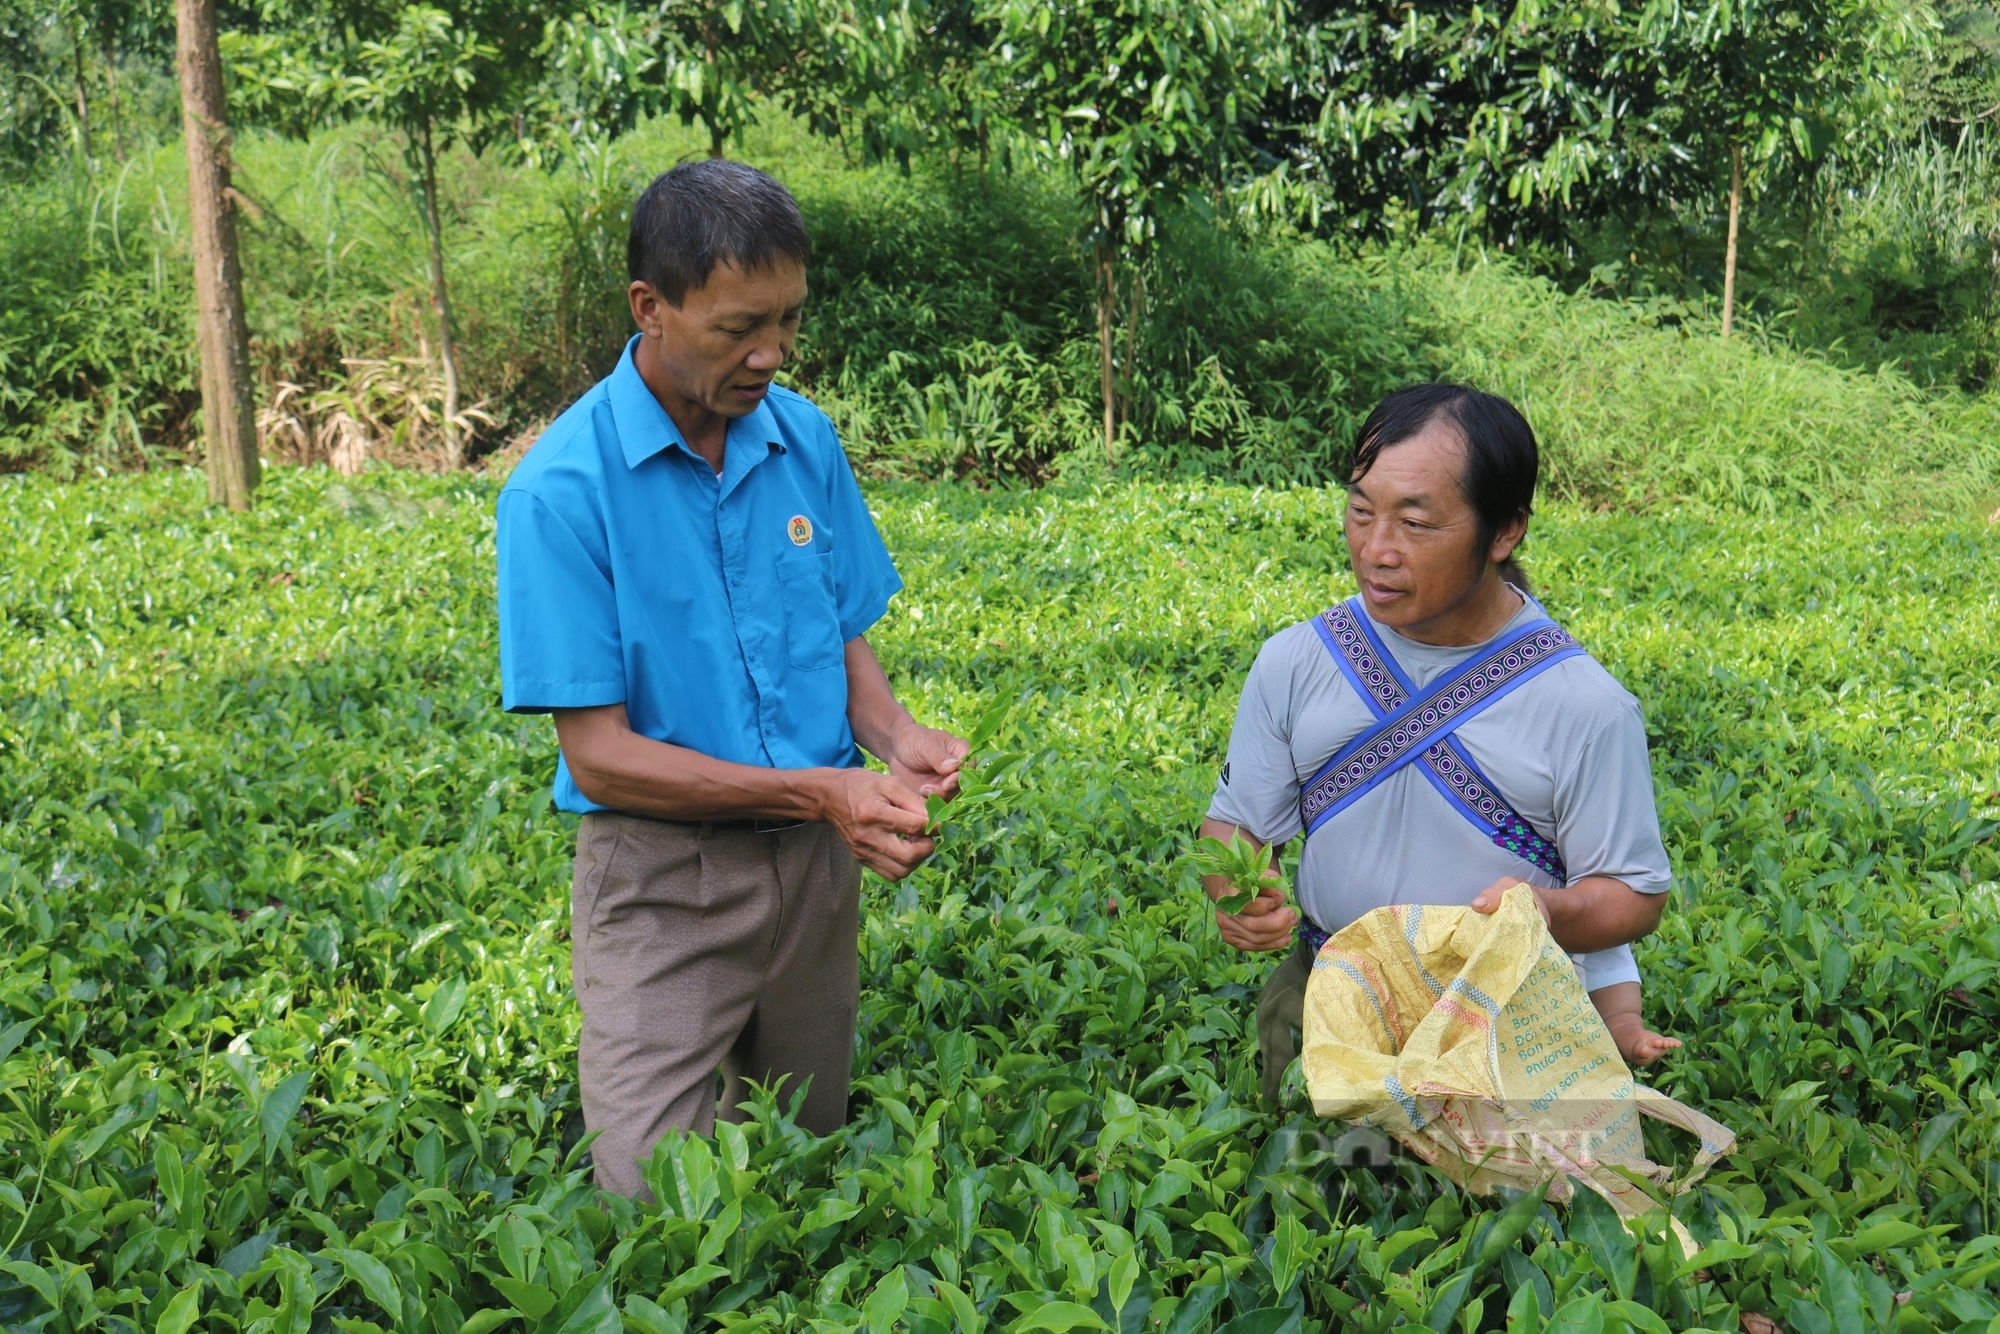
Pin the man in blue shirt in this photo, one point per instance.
(687, 574)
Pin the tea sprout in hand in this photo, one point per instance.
(981, 773)
(1243, 867)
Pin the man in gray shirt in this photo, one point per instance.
(1439, 497)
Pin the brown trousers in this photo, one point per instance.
(698, 950)
(1281, 1009)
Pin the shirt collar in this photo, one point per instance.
(644, 428)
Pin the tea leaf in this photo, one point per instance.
(1059, 1318)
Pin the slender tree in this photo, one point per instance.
(82, 24)
(437, 74)
(723, 59)
(1729, 255)
(228, 416)
(1149, 102)
(418, 79)
(110, 50)
(1760, 81)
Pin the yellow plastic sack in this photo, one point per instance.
(1470, 1039)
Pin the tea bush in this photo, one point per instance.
(288, 1043)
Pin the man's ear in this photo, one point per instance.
(1510, 536)
(648, 308)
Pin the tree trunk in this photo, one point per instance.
(715, 135)
(1107, 296)
(440, 297)
(229, 420)
(82, 100)
(1729, 258)
(111, 87)
(1133, 299)
(1812, 204)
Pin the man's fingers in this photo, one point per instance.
(1267, 902)
(899, 810)
(1268, 932)
(899, 848)
(889, 865)
(887, 848)
(1488, 899)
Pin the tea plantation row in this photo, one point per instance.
(286, 1042)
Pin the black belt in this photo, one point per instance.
(755, 826)
(752, 826)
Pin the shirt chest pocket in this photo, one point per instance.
(812, 628)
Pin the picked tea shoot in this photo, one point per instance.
(1242, 864)
(982, 775)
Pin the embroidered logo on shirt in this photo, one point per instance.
(1225, 773)
(800, 529)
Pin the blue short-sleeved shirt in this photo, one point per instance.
(715, 608)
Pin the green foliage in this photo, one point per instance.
(421, 72)
(288, 1038)
(1241, 866)
(949, 332)
(78, 77)
(719, 57)
(1638, 406)
(97, 359)
(1146, 101)
(1533, 120)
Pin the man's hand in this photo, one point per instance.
(880, 820)
(923, 759)
(1265, 923)
(1594, 913)
(926, 759)
(1488, 900)
(874, 814)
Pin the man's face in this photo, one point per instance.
(1413, 538)
(721, 346)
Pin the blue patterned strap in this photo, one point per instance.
(1410, 727)
(1452, 771)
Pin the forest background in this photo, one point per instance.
(1141, 236)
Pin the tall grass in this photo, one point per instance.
(1636, 413)
(97, 360)
(951, 334)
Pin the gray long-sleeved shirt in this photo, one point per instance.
(1567, 749)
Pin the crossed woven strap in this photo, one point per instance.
(1412, 728)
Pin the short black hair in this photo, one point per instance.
(1501, 461)
(708, 212)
